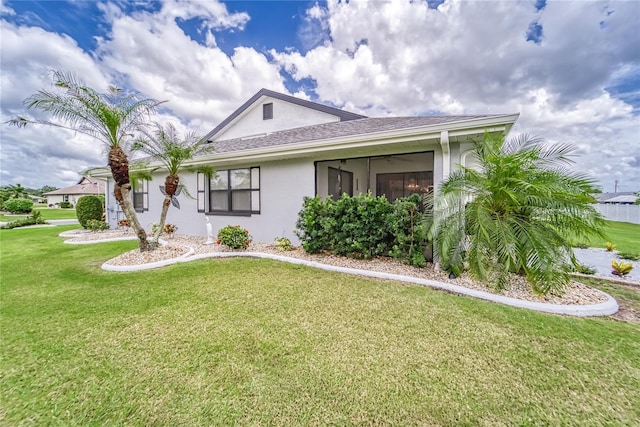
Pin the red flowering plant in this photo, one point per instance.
(234, 237)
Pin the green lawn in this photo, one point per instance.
(47, 213)
(257, 342)
(625, 235)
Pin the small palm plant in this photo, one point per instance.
(165, 146)
(516, 214)
(609, 246)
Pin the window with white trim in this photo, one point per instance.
(140, 195)
(235, 191)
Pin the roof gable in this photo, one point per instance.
(288, 112)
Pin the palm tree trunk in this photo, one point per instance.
(129, 211)
(119, 164)
(171, 183)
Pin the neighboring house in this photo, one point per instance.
(38, 199)
(84, 187)
(276, 149)
(621, 198)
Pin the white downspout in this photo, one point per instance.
(446, 156)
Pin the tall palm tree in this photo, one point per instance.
(165, 146)
(516, 213)
(17, 190)
(111, 118)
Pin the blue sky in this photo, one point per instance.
(571, 69)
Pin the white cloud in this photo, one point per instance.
(6, 10)
(377, 58)
(33, 156)
(473, 57)
(147, 51)
(202, 83)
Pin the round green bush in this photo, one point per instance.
(88, 208)
(234, 236)
(18, 205)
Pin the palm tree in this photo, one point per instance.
(17, 190)
(110, 118)
(516, 214)
(165, 146)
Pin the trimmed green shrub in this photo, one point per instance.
(65, 205)
(316, 224)
(361, 226)
(364, 226)
(409, 231)
(18, 205)
(234, 237)
(97, 225)
(87, 208)
(33, 219)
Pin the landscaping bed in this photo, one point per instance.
(575, 294)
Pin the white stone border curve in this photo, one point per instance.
(606, 308)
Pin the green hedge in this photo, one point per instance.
(88, 208)
(18, 205)
(364, 227)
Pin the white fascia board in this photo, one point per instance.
(305, 149)
(99, 173)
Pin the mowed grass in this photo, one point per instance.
(625, 235)
(257, 342)
(47, 213)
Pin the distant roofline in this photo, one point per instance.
(342, 114)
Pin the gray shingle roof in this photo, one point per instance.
(336, 130)
(85, 186)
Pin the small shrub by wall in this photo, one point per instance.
(410, 233)
(88, 208)
(234, 237)
(18, 205)
(97, 225)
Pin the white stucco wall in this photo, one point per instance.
(53, 199)
(285, 116)
(283, 185)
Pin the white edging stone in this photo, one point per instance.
(89, 242)
(606, 308)
(150, 265)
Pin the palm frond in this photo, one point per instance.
(515, 215)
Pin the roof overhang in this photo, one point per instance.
(396, 141)
(387, 142)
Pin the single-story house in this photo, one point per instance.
(276, 149)
(85, 187)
